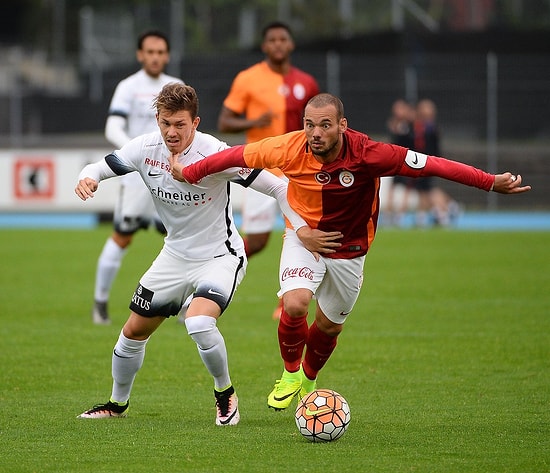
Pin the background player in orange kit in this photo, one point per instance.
(267, 99)
(334, 180)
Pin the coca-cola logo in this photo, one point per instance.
(303, 272)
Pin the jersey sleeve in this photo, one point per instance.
(419, 164)
(121, 161)
(236, 99)
(217, 162)
(97, 171)
(458, 172)
(118, 166)
(120, 102)
(393, 160)
(115, 131)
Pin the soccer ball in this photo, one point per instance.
(322, 415)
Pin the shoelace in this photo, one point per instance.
(108, 407)
(223, 403)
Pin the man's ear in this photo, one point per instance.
(343, 125)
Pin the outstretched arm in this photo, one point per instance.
(228, 158)
(506, 183)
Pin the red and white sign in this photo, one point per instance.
(34, 178)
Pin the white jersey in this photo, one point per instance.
(133, 100)
(198, 218)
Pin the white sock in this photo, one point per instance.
(127, 360)
(108, 265)
(211, 345)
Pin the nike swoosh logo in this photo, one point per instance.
(119, 356)
(292, 344)
(152, 174)
(226, 421)
(343, 314)
(415, 159)
(282, 398)
(317, 412)
(214, 293)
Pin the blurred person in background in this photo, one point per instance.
(434, 204)
(267, 99)
(131, 115)
(400, 129)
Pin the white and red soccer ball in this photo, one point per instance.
(322, 415)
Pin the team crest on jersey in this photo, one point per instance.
(346, 178)
(284, 90)
(322, 177)
(299, 91)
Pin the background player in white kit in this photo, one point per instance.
(131, 115)
(203, 254)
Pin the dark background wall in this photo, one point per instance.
(451, 69)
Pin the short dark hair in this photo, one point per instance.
(175, 97)
(324, 99)
(155, 34)
(273, 25)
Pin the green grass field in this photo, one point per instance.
(445, 363)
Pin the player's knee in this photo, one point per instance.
(332, 330)
(327, 326)
(203, 330)
(123, 240)
(296, 303)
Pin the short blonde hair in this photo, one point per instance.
(175, 97)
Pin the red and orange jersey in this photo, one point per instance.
(340, 196)
(258, 90)
(344, 194)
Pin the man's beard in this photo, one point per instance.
(327, 151)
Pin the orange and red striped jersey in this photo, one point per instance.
(344, 194)
(259, 89)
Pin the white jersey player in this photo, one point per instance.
(198, 218)
(203, 254)
(130, 115)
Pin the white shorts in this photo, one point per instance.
(335, 283)
(134, 209)
(259, 212)
(170, 280)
